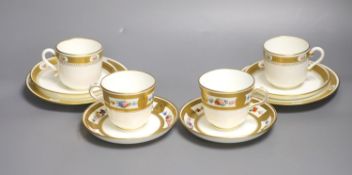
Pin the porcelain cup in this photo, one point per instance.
(128, 96)
(286, 61)
(79, 62)
(226, 96)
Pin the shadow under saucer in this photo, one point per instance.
(199, 141)
(305, 107)
(39, 103)
(96, 141)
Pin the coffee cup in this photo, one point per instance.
(287, 61)
(226, 96)
(79, 62)
(128, 97)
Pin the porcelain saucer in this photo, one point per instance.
(259, 120)
(162, 119)
(320, 83)
(43, 82)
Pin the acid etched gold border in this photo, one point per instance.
(240, 95)
(160, 102)
(51, 96)
(296, 58)
(128, 95)
(35, 90)
(142, 99)
(186, 109)
(79, 59)
(319, 68)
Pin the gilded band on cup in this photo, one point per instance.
(76, 59)
(128, 103)
(287, 59)
(226, 101)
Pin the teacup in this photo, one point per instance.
(80, 62)
(128, 96)
(286, 60)
(226, 96)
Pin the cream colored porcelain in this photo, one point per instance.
(286, 60)
(128, 96)
(320, 83)
(80, 62)
(44, 83)
(226, 94)
(162, 119)
(258, 120)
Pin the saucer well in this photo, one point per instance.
(320, 83)
(44, 83)
(162, 119)
(260, 119)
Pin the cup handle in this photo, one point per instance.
(45, 60)
(94, 93)
(261, 64)
(311, 53)
(264, 100)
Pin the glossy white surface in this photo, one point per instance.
(130, 120)
(313, 81)
(79, 76)
(151, 125)
(225, 118)
(247, 127)
(285, 75)
(49, 79)
(128, 81)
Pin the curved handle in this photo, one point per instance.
(261, 64)
(93, 93)
(264, 100)
(45, 60)
(311, 52)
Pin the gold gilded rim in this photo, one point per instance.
(270, 109)
(34, 89)
(37, 90)
(319, 68)
(161, 102)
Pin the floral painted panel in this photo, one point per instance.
(124, 103)
(128, 103)
(222, 101)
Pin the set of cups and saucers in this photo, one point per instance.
(234, 105)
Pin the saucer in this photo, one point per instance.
(320, 83)
(162, 119)
(259, 120)
(43, 82)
